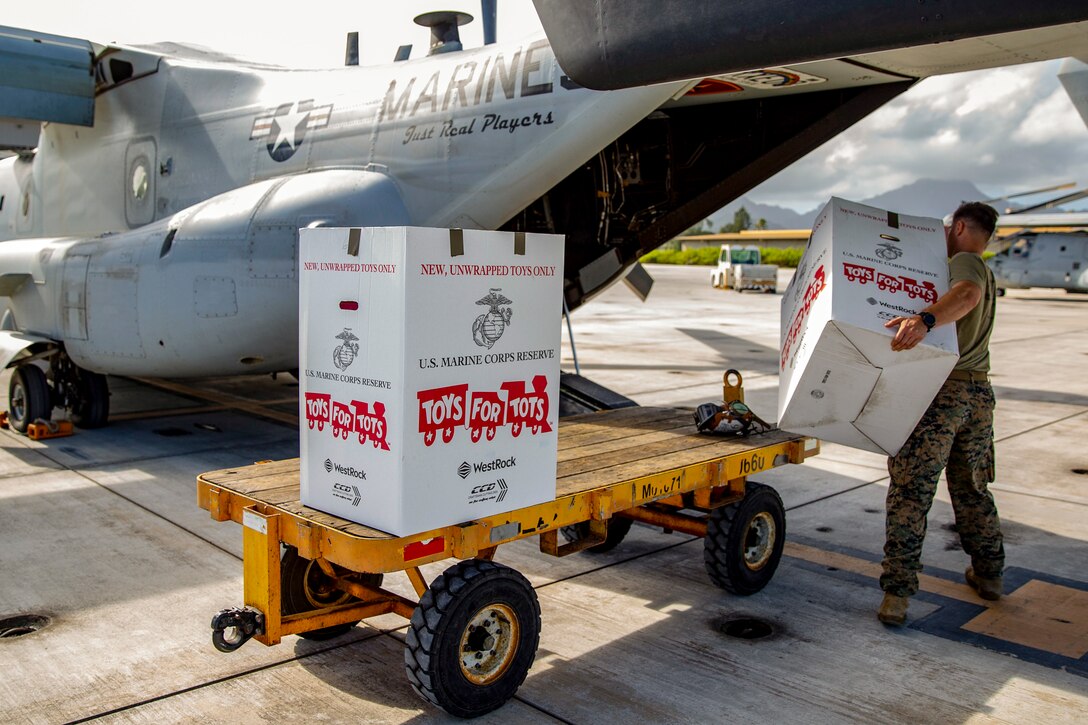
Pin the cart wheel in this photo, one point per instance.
(473, 638)
(28, 397)
(617, 530)
(744, 541)
(304, 588)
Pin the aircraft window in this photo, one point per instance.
(121, 70)
(1, 202)
(139, 180)
(1063, 247)
(26, 203)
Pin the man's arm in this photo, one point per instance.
(960, 299)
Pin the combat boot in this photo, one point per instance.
(893, 610)
(989, 589)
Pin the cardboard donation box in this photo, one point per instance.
(839, 379)
(429, 373)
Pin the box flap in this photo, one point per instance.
(876, 346)
(900, 398)
(834, 386)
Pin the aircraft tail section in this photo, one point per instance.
(1074, 78)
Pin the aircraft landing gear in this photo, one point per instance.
(29, 397)
(84, 394)
(32, 394)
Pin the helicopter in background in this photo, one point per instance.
(1049, 248)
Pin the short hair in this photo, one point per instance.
(977, 213)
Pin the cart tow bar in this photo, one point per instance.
(245, 622)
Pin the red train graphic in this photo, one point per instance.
(444, 410)
(356, 417)
(864, 275)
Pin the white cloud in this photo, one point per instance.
(1006, 130)
(1001, 88)
(936, 92)
(889, 117)
(1053, 117)
(844, 153)
(946, 137)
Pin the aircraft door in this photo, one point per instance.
(139, 182)
(74, 297)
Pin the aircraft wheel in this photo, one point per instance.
(92, 405)
(1000, 291)
(617, 530)
(744, 541)
(304, 587)
(473, 638)
(29, 398)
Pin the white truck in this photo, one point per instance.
(741, 268)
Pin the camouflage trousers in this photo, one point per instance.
(955, 434)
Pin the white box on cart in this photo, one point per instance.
(839, 379)
(429, 373)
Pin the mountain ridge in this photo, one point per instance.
(924, 197)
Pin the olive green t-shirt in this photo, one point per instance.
(973, 329)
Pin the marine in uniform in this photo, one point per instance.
(956, 432)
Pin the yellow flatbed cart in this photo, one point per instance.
(474, 630)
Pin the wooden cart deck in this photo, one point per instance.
(608, 462)
(644, 464)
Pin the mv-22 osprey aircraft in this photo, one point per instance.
(151, 213)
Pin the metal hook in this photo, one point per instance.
(245, 622)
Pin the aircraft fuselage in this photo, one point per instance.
(163, 240)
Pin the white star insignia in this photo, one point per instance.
(288, 125)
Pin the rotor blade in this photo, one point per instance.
(1018, 194)
(488, 13)
(1075, 196)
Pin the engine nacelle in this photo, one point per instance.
(212, 290)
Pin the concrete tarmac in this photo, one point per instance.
(100, 533)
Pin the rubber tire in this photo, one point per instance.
(29, 383)
(617, 531)
(432, 646)
(294, 570)
(727, 533)
(93, 408)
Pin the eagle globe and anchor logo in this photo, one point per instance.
(488, 327)
(888, 251)
(344, 354)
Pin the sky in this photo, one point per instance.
(1006, 130)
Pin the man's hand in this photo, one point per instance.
(911, 332)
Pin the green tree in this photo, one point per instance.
(761, 224)
(741, 220)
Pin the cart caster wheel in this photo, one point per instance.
(473, 638)
(28, 397)
(744, 541)
(617, 531)
(304, 588)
